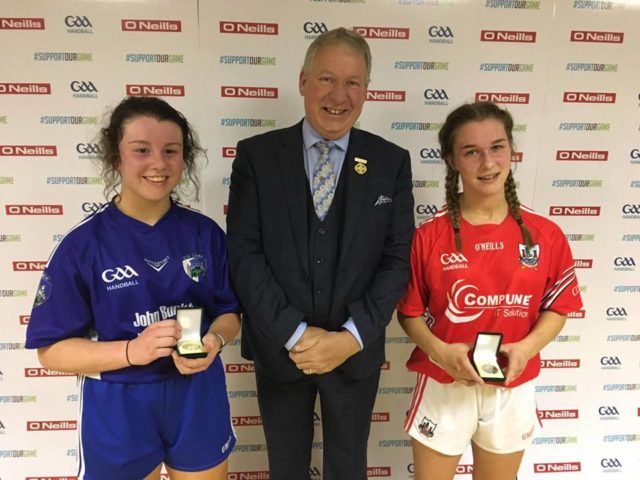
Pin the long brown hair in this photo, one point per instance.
(476, 112)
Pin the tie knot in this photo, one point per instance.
(323, 147)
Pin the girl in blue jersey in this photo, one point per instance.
(106, 307)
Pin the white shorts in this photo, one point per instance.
(446, 416)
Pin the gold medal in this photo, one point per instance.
(361, 165)
(490, 369)
(190, 346)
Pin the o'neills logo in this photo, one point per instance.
(563, 363)
(574, 211)
(583, 155)
(246, 421)
(248, 92)
(34, 426)
(386, 95)
(557, 414)
(255, 475)
(29, 266)
(44, 372)
(228, 152)
(391, 33)
(577, 314)
(240, 368)
(251, 28)
(583, 262)
(28, 151)
(135, 25)
(502, 97)
(589, 97)
(597, 37)
(507, 36)
(21, 23)
(464, 469)
(556, 467)
(33, 209)
(380, 416)
(134, 90)
(378, 472)
(25, 89)
(24, 319)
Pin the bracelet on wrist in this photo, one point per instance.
(223, 342)
(126, 353)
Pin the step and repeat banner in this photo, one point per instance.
(567, 70)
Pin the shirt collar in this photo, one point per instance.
(310, 137)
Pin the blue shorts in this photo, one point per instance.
(127, 429)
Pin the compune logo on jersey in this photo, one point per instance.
(25, 88)
(386, 95)
(248, 92)
(431, 155)
(560, 363)
(247, 421)
(624, 264)
(313, 29)
(558, 414)
(88, 151)
(435, 96)
(596, 37)
(608, 412)
(144, 25)
(582, 155)
(611, 465)
(616, 313)
(28, 151)
(21, 23)
(503, 97)
(51, 425)
(83, 89)
(557, 467)
(78, 24)
(33, 209)
(631, 211)
(589, 97)
(466, 303)
(385, 33)
(134, 90)
(453, 261)
(507, 36)
(252, 28)
(574, 211)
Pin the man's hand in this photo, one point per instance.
(323, 352)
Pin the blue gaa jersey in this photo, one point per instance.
(112, 276)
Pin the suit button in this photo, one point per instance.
(319, 290)
(322, 231)
(320, 260)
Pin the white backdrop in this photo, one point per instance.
(567, 70)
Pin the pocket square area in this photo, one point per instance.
(382, 199)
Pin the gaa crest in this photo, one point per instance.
(44, 290)
(529, 256)
(194, 266)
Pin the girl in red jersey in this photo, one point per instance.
(482, 264)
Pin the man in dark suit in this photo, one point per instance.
(319, 228)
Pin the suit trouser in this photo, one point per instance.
(287, 411)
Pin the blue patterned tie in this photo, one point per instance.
(324, 180)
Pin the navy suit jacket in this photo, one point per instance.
(267, 228)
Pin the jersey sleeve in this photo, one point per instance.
(416, 298)
(561, 294)
(61, 308)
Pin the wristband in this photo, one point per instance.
(223, 342)
(126, 353)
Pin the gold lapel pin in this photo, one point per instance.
(361, 165)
